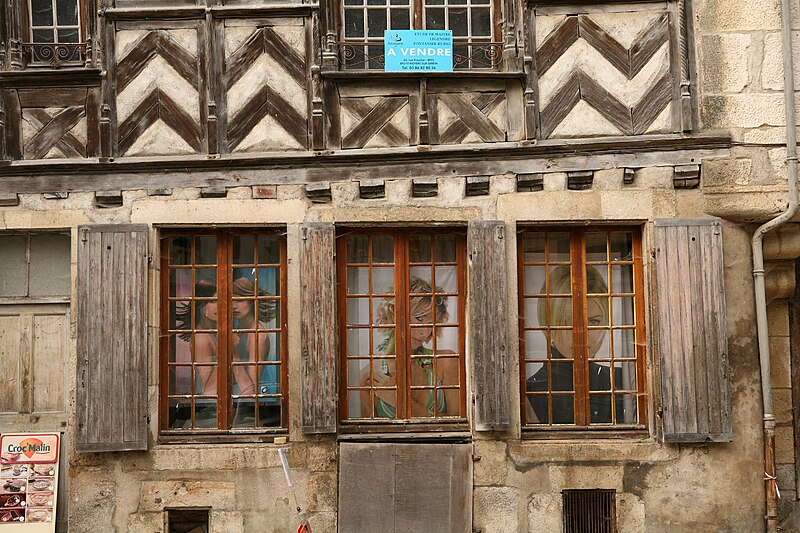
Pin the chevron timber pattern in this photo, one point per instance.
(158, 87)
(594, 83)
(265, 82)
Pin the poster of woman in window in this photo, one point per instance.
(252, 329)
(579, 332)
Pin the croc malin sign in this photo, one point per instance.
(29, 448)
(418, 50)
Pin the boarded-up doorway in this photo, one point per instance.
(405, 487)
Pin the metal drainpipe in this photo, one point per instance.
(758, 273)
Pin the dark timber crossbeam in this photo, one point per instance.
(391, 163)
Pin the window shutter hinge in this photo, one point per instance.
(304, 233)
(84, 233)
(499, 233)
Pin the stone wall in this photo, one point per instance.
(517, 482)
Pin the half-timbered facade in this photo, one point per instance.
(512, 297)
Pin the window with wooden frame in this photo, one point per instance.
(223, 331)
(401, 325)
(475, 25)
(55, 32)
(582, 335)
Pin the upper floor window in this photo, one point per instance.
(55, 32)
(223, 343)
(401, 316)
(474, 23)
(582, 327)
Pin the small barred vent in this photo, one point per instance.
(187, 521)
(590, 511)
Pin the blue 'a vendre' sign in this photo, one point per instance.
(418, 50)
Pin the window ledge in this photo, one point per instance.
(221, 438)
(50, 77)
(406, 437)
(358, 75)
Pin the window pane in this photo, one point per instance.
(376, 22)
(446, 340)
(625, 376)
(560, 312)
(383, 341)
(180, 414)
(383, 280)
(13, 266)
(420, 279)
(43, 36)
(533, 247)
(68, 35)
(180, 380)
(205, 251)
(481, 22)
(535, 345)
(622, 278)
(621, 246)
(445, 249)
(244, 414)
(358, 245)
(269, 281)
(561, 376)
(358, 341)
(205, 413)
(354, 369)
(558, 247)
(597, 311)
(599, 377)
(434, 18)
(358, 311)
(596, 247)
(534, 279)
(50, 265)
(269, 250)
(382, 246)
(180, 251)
(624, 343)
(180, 315)
(401, 19)
(559, 280)
(458, 22)
(622, 309)
(243, 249)
(353, 24)
(67, 12)
(358, 280)
(446, 279)
(600, 409)
(563, 409)
(42, 12)
(419, 248)
(626, 409)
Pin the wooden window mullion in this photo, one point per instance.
(418, 14)
(224, 401)
(164, 338)
(402, 273)
(579, 332)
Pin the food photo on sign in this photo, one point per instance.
(28, 482)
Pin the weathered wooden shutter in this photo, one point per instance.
(318, 330)
(111, 393)
(692, 330)
(488, 324)
(405, 487)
